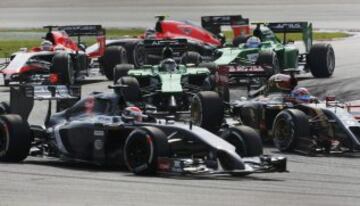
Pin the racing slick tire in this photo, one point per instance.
(245, 139)
(121, 70)
(4, 108)
(191, 57)
(15, 138)
(321, 60)
(288, 127)
(207, 110)
(63, 66)
(132, 92)
(138, 55)
(142, 148)
(240, 40)
(113, 56)
(212, 67)
(269, 58)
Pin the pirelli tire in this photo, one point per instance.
(321, 60)
(207, 110)
(63, 65)
(269, 60)
(143, 147)
(246, 140)
(113, 56)
(15, 138)
(289, 126)
(132, 92)
(121, 70)
(191, 57)
(138, 55)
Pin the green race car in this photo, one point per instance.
(263, 54)
(169, 86)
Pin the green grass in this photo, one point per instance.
(9, 46)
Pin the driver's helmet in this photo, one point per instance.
(253, 42)
(149, 33)
(168, 65)
(302, 95)
(280, 83)
(46, 45)
(133, 113)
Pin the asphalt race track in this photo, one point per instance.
(318, 180)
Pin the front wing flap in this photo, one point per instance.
(262, 164)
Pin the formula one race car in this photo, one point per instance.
(202, 42)
(59, 59)
(296, 120)
(169, 86)
(263, 54)
(100, 129)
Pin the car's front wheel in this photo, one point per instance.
(142, 149)
(207, 110)
(15, 138)
(289, 126)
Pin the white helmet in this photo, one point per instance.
(253, 42)
(46, 45)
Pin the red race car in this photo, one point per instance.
(202, 41)
(59, 59)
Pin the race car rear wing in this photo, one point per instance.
(79, 30)
(83, 30)
(157, 47)
(22, 97)
(294, 27)
(239, 25)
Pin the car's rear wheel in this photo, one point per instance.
(132, 92)
(207, 110)
(142, 148)
(246, 140)
(288, 127)
(139, 55)
(63, 66)
(15, 138)
(268, 59)
(113, 56)
(121, 70)
(191, 57)
(321, 60)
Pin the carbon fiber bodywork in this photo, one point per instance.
(94, 130)
(330, 122)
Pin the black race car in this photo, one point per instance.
(297, 121)
(100, 129)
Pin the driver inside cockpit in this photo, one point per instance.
(168, 65)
